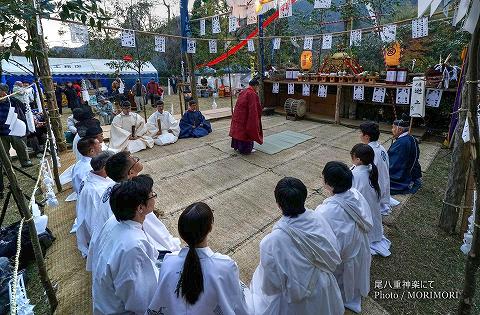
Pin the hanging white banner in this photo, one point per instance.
(355, 37)
(191, 46)
(216, 25)
(250, 45)
(291, 88)
(327, 41)
(389, 33)
(308, 43)
(358, 92)
(212, 46)
(160, 43)
(276, 43)
(322, 4)
(275, 88)
(403, 96)
(322, 91)
(128, 38)
(202, 27)
(306, 89)
(417, 102)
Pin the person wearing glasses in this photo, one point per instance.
(129, 131)
(121, 167)
(125, 274)
(197, 280)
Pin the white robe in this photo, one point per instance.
(89, 198)
(80, 170)
(159, 236)
(167, 122)
(122, 129)
(349, 216)
(379, 244)
(223, 293)
(296, 271)
(124, 274)
(382, 163)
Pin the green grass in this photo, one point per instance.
(421, 251)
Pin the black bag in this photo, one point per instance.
(8, 239)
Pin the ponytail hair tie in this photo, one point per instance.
(370, 167)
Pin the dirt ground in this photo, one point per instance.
(239, 189)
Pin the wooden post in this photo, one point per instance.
(41, 55)
(337, 104)
(180, 94)
(473, 258)
(191, 69)
(25, 212)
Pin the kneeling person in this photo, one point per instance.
(129, 131)
(193, 124)
(163, 127)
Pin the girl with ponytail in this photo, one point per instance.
(365, 180)
(196, 280)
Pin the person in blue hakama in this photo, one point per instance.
(405, 171)
(193, 124)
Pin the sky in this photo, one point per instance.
(51, 28)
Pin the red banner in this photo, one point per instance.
(236, 48)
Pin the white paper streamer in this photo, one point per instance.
(308, 43)
(284, 8)
(355, 37)
(322, 91)
(306, 89)
(417, 102)
(250, 45)
(403, 96)
(202, 27)
(358, 92)
(433, 97)
(472, 18)
(290, 88)
(322, 4)
(160, 43)
(378, 95)
(327, 41)
(276, 43)
(191, 46)
(216, 25)
(420, 27)
(128, 38)
(275, 88)
(212, 46)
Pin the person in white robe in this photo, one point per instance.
(89, 148)
(129, 132)
(365, 180)
(89, 197)
(125, 273)
(348, 214)
(297, 260)
(163, 127)
(196, 280)
(122, 166)
(369, 134)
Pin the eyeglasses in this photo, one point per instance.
(154, 195)
(135, 161)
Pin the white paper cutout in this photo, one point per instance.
(472, 18)
(291, 88)
(226, 45)
(417, 102)
(250, 45)
(160, 44)
(216, 25)
(420, 27)
(232, 24)
(327, 41)
(389, 33)
(202, 27)
(308, 43)
(423, 6)
(379, 95)
(306, 89)
(403, 96)
(461, 11)
(433, 97)
(284, 8)
(275, 88)
(212, 46)
(322, 4)
(128, 38)
(355, 37)
(251, 14)
(446, 7)
(358, 92)
(466, 131)
(322, 91)
(434, 6)
(191, 46)
(78, 33)
(276, 43)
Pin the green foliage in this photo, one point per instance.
(17, 16)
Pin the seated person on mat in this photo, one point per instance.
(405, 171)
(163, 127)
(193, 124)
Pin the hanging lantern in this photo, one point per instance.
(392, 55)
(306, 60)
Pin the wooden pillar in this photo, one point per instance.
(337, 104)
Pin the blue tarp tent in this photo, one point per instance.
(75, 69)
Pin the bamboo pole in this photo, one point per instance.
(25, 212)
(337, 104)
(473, 258)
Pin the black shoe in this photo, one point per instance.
(27, 164)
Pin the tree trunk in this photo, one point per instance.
(41, 54)
(22, 206)
(473, 259)
(458, 172)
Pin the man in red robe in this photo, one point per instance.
(246, 126)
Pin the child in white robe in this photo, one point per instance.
(365, 180)
(348, 214)
(163, 127)
(297, 260)
(369, 134)
(120, 167)
(129, 132)
(196, 280)
(89, 198)
(125, 274)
